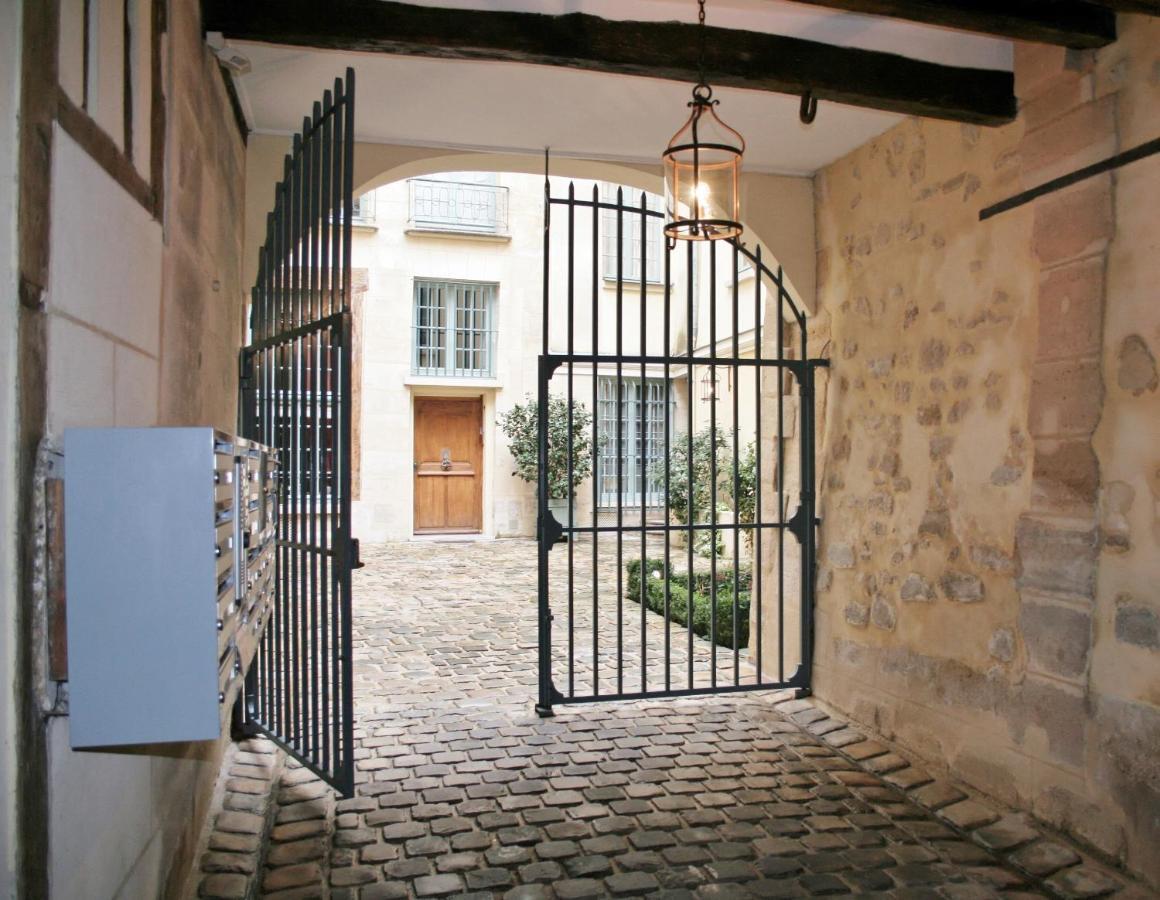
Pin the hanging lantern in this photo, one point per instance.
(703, 169)
(709, 386)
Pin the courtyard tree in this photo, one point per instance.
(521, 425)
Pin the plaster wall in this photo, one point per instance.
(988, 554)
(10, 59)
(395, 256)
(144, 321)
(779, 210)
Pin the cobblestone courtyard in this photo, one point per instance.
(463, 791)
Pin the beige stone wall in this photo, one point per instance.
(987, 463)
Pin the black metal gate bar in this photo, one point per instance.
(637, 457)
(295, 395)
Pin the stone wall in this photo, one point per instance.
(988, 471)
(144, 319)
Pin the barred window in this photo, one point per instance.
(639, 399)
(454, 329)
(629, 235)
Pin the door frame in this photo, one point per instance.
(481, 400)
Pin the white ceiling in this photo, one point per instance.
(509, 107)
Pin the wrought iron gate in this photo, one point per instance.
(295, 377)
(699, 438)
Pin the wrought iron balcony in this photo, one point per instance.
(452, 206)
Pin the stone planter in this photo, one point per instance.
(559, 509)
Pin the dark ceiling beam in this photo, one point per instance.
(1143, 7)
(1079, 24)
(668, 50)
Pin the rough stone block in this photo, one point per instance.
(1071, 307)
(1056, 559)
(1057, 637)
(1138, 625)
(1060, 713)
(840, 556)
(1080, 137)
(1066, 478)
(1045, 857)
(1058, 97)
(857, 614)
(1081, 882)
(962, 587)
(1007, 833)
(1074, 222)
(915, 588)
(224, 887)
(883, 614)
(1136, 366)
(1066, 398)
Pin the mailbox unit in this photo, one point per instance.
(169, 561)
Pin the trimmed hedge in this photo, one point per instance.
(702, 600)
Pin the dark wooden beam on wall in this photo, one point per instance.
(1079, 24)
(1143, 7)
(668, 50)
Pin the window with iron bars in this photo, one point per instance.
(630, 235)
(646, 399)
(454, 329)
(469, 202)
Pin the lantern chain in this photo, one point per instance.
(701, 34)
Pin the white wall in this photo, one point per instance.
(10, 50)
(103, 347)
(395, 258)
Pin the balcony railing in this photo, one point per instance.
(458, 207)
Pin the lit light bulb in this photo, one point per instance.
(703, 193)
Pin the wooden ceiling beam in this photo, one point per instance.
(1079, 24)
(668, 50)
(1143, 7)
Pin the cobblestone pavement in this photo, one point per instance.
(463, 791)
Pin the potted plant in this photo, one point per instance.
(521, 424)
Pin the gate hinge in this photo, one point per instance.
(797, 524)
(550, 530)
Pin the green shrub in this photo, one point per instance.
(702, 598)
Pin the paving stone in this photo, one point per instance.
(968, 814)
(350, 877)
(239, 822)
(1044, 857)
(937, 794)
(820, 885)
(578, 889)
(296, 852)
(224, 887)
(489, 879)
(376, 854)
(403, 831)
(459, 785)
(629, 883)
(234, 843)
(291, 876)
(438, 885)
(385, 890)
(1007, 833)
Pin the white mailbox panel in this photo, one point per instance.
(169, 536)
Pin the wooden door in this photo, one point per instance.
(448, 464)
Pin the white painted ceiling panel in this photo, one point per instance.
(511, 107)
